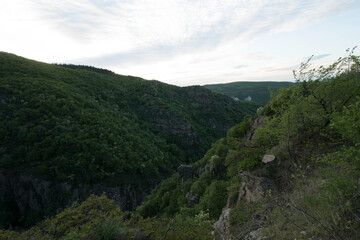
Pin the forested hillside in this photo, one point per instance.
(64, 128)
(293, 172)
(257, 92)
(290, 172)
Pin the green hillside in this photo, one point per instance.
(258, 91)
(82, 125)
(310, 135)
(292, 172)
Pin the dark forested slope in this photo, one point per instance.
(82, 125)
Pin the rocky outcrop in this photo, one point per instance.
(222, 226)
(258, 123)
(254, 188)
(185, 172)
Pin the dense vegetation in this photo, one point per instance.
(313, 130)
(100, 218)
(258, 91)
(79, 124)
(218, 170)
(66, 122)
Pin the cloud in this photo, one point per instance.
(135, 56)
(138, 34)
(241, 66)
(290, 68)
(177, 22)
(317, 57)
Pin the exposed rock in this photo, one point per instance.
(255, 235)
(185, 172)
(222, 225)
(207, 167)
(248, 98)
(193, 199)
(260, 111)
(268, 158)
(254, 188)
(202, 170)
(259, 122)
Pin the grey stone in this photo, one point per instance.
(255, 235)
(268, 158)
(204, 169)
(258, 123)
(222, 225)
(254, 188)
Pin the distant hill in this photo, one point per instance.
(254, 91)
(67, 131)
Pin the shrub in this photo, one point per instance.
(198, 187)
(214, 198)
(239, 130)
(264, 138)
(110, 230)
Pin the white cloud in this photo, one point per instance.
(197, 38)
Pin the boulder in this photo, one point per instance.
(185, 172)
(268, 158)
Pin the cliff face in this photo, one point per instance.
(27, 198)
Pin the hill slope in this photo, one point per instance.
(291, 173)
(81, 125)
(257, 91)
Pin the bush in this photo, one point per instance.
(163, 199)
(216, 165)
(214, 198)
(239, 130)
(264, 138)
(110, 230)
(198, 187)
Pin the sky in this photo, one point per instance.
(183, 42)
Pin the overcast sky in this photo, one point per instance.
(182, 42)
